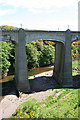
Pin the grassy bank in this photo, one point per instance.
(62, 104)
(75, 63)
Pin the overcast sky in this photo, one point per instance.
(40, 14)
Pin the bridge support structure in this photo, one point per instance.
(21, 73)
(63, 62)
(63, 55)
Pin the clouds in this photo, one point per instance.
(6, 12)
(39, 14)
(39, 3)
(36, 5)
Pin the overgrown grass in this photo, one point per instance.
(62, 104)
(75, 63)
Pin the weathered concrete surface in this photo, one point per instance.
(59, 62)
(57, 36)
(67, 79)
(63, 62)
(21, 64)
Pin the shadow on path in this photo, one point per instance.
(37, 84)
(44, 83)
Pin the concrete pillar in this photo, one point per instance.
(63, 62)
(21, 63)
(67, 73)
(59, 59)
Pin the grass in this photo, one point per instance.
(77, 65)
(62, 104)
(75, 73)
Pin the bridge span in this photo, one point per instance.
(63, 55)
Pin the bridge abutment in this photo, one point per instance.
(21, 73)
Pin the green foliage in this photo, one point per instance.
(24, 112)
(5, 27)
(39, 54)
(39, 45)
(47, 55)
(32, 56)
(65, 105)
(12, 59)
(5, 54)
(76, 50)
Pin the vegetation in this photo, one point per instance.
(5, 55)
(39, 54)
(32, 56)
(75, 56)
(76, 50)
(62, 104)
(5, 27)
(47, 55)
(75, 63)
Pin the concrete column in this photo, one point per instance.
(59, 59)
(21, 63)
(67, 73)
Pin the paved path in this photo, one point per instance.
(9, 103)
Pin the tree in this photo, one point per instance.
(12, 59)
(32, 56)
(47, 55)
(39, 45)
(76, 50)
(4, 55)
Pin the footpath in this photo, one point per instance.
(9, 103)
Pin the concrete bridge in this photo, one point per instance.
(63, 55)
